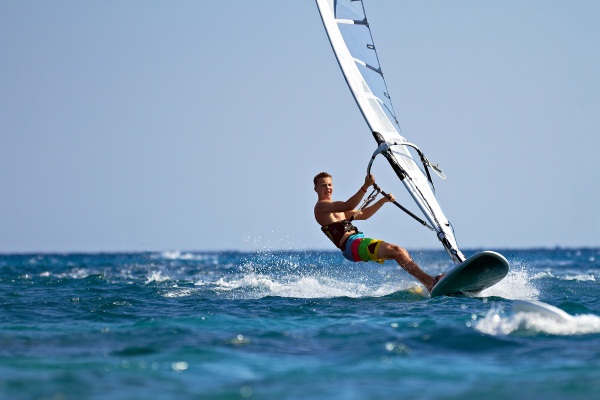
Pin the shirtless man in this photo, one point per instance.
(334, 218)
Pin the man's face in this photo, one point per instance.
(324, 188)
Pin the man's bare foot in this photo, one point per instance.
(434, 281)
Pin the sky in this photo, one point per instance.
(199, 125)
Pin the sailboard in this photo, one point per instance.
(473, 275)
(349, 34)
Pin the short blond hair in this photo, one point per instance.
(321, 175)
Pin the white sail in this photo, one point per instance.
(350, 36)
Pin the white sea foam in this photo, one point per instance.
(157, 276)
(177, 255)
(542, 275)
(76, 273)
(497, 322)
(180, 292)
(187, 256)
(258, 286)
(580, 277)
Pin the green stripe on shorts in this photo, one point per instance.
(363, 251)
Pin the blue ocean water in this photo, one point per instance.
(292, 325)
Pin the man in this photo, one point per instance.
(335, 220)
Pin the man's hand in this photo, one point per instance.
(391, 198)
(369, 180)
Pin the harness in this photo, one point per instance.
(336, 231)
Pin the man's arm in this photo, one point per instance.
(368, 212)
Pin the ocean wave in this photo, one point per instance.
(581, 278)
(186, 256)
(180, 292)
(157, 276)
(253, 286)
(497, 322)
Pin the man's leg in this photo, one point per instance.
(395, 252)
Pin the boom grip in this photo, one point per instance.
(400, 206)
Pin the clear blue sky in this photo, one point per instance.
(197, 125)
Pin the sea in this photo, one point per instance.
(292, 325)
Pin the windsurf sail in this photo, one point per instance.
(350, 36)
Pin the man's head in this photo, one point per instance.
(323, 185)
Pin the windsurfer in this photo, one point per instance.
(335, 220)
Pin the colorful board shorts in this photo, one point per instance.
(360, 248)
